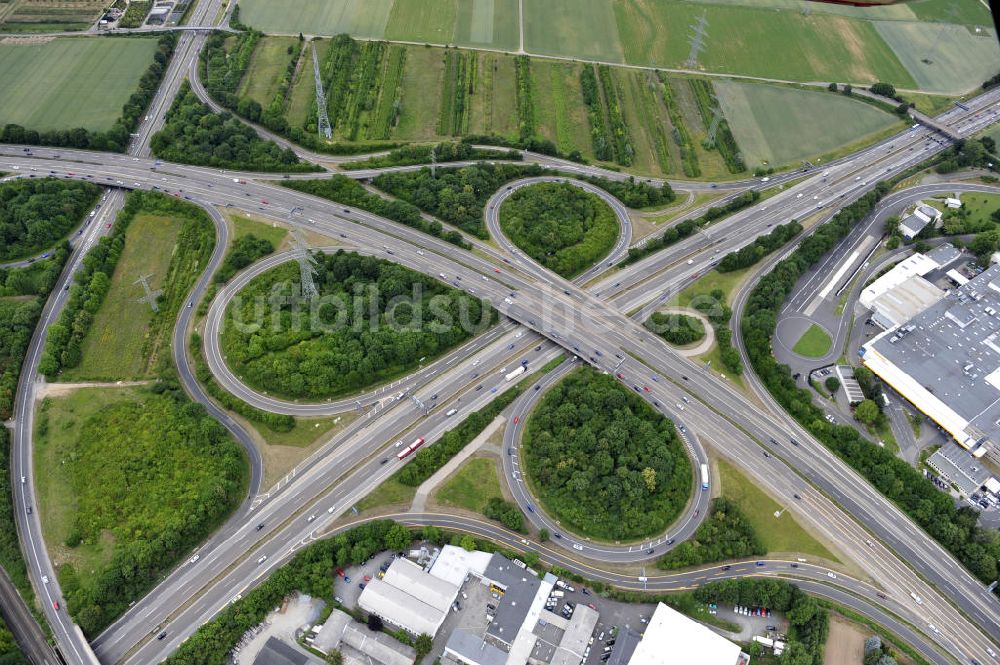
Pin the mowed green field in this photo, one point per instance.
(318, 17)
(578, 28)
(70, 82)
(781, 125)
(112, 350)
(758, 42)
(788, 40)
(491, 23)
(949, 59)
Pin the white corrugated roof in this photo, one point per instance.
(409, 597)
(454, 563)
(916, 265)
(673, 638)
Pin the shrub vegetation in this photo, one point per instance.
(603, 461)
(559, 225)
(350, 350)
(725, 534)
(36, 214)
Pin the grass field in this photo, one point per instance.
(559, 111)
(494, 90)
(757, 42)
(580, 28)
(420, 101)
(780, 125)
(793, 40)
(980, 208)
(492, 23)
(390, 493)
(472, 486)
(781, 534)
(318, 17)
(244, 226)
(270, 60)
(422, 20)
(949, 59)
(70, 82)
(814, 343)
(113, 348)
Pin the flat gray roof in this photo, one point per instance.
(520, 588)
(474, 649)
(277, 652)
(944, 254)
(951, 348)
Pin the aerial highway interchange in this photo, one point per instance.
(594, 319)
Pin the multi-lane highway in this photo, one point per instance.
(573, 319)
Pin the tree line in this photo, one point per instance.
(505, 512)
(809, 622)
(724, 535)
(563, 227)
(953, 527)
(422, 154)
(603, 461)
(159, 473)
(455, 195)
(311, 571)
(678, 329)
(117, 138)
(689, 226)
(36, 213)
(750, 254)
(194, 134)
(350, 192)
(633, 193)
(429, 459)
(10, 653)
(276, 422)
(358, 345)
(18, 318)
(245, 250)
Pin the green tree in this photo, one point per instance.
(832, 383)
(468, 543)
(334, 657)
(867, 412)
(543, 535)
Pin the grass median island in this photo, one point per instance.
(472, 486)
(559, 225)
(601, 461)
(814, 343)
(782, 534)
(129, 480)
(268, 337)
(678, 329)
(36, 214)
(107, 331)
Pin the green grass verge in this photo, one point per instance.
(472, 486)
(782, 534)
(814, 343)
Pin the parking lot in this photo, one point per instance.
(347, 588)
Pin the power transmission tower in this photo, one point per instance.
(307, 264)
(151, 296)
(697, 41)
(322, 119)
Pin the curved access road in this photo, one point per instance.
(681, 529)
(617, 252)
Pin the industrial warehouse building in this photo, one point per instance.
(946, 361)
(409, 598)
(672, 638)
(903, 292)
